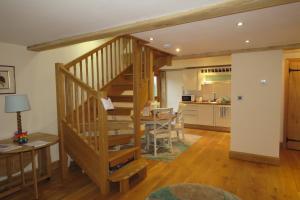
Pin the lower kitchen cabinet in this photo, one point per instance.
(222, 115)
(198, 114)
(207, 115)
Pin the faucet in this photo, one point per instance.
(215, 96)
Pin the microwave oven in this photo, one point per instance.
(189, 98)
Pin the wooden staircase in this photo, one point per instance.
(117, 69)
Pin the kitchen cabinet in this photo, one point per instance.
(190, 79)
(190, 114)
(207, 115)
(222, 115)
(198, 114)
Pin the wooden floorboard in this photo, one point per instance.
(205, 162)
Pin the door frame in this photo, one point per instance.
(286, 96)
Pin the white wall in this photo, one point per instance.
(35, 76)
(174, 88)
(257, 120)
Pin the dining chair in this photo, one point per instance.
(178, 122)
(161, 134)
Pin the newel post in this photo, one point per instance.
(137, 93)
(60, 102)
(103, 143)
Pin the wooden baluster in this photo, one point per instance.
(130, 51)
(83, 103)
(95, 123)
(89, 116)
(75, 70)
(111, 62)
(102, 67)
(87, 71)
(145, 63)
(93, 74)
(68, 100)
(116, 58)
(66, 85)
(72, 103)
(127, 52)
(106, 63)
(119, 52)
(97, 64)
(124, 53)
(80, 67)
(77, 108)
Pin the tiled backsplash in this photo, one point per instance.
(220, 89)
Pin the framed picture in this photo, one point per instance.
(7, 80)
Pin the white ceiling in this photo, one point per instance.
(272, 26)
(28, 22)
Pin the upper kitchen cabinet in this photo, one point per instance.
(190, 79)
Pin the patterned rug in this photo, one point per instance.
(191, 192)
(180, 146)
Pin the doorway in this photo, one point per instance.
(292, 123)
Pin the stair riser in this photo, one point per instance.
(121, 98)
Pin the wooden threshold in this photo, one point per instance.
(295, 145)
(212, 11)
(254, 158)
(209, 128)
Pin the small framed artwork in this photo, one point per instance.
(7, 80)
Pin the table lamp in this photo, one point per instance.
(18, 104)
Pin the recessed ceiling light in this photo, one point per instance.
(167, 45)
(151, 38)
(177, 50)
(240, 24)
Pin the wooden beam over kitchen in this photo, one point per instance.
(229, 52)
(212, 11)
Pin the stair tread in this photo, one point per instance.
(130, 108)
(114, 155)
(119, 139)
(120, 95)
(119, 125)
(128, 170)
(120, 111)
(124, 83)
(121, 98)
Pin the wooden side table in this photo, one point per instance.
(44, 161)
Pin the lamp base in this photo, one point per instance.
(21, 137)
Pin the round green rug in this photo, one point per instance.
(191, 192)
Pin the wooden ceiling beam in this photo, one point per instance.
(225, 8)
(229, 52)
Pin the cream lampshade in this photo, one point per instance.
(18, 104)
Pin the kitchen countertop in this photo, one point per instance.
(206, 103)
